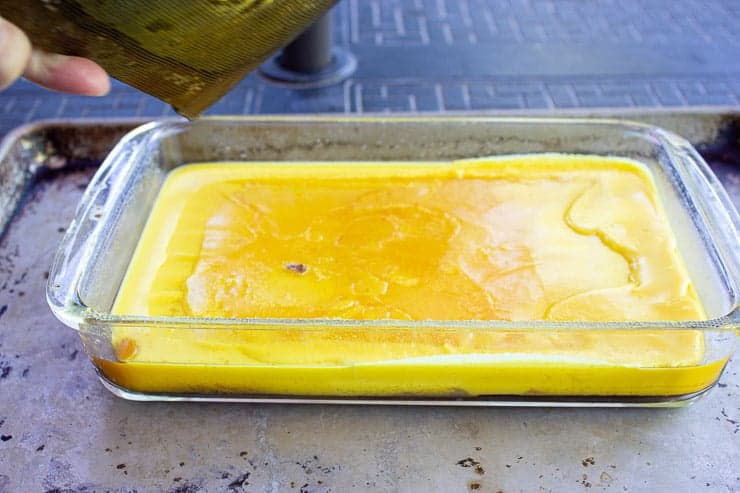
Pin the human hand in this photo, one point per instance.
(62, 73)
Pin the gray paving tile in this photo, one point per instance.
(276, 99)
(457, 55)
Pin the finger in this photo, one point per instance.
(69, 74)
(15, 49)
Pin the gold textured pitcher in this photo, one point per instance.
(187, 53)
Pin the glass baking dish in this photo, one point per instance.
(98, 247)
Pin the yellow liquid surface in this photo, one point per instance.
(524, 238)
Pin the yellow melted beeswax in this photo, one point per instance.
(523, 238)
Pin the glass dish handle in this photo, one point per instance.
(721, 216)
(74, 251)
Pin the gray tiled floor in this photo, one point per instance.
(442, 55)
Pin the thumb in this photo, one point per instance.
(14, 52)
(69, 74)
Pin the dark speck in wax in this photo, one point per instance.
(297, 268)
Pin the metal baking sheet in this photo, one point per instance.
(61, 430)
(46, 166)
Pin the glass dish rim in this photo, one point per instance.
(79, 316)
